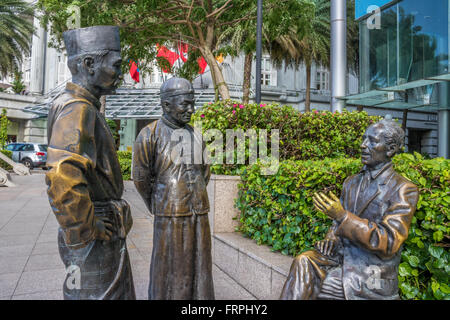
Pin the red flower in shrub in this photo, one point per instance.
(241, 106)
(234, 111)
(202, 116)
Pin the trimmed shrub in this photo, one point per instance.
(125, 163)
(278, 211)
(3, 164)
(303, 136)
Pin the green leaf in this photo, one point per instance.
(414, 261)
(438, 236)
(435, 286)
(435, 251)
(444, 288)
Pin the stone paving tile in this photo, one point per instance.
(8, 283)
(44, 262)
(40, 281)
(16, 251)
(12, 264)
(21, 229)
(233, 290)
(45, 295)
(15, 240)
(46, 248)
(48, 237)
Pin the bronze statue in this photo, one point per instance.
(173, 186)
(360, 255)
(85, 183)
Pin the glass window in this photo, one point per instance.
(411, 43)
(42, 147)
(10, 147)
(26, 147)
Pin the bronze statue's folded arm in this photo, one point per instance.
(386, 236)
(71, 155)
(142, 165)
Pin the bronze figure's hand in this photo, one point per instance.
(104, 228)
(325, 247)
(331, 205)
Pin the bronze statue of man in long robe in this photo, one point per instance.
(359, 257)
(84, 182)
(173, 186)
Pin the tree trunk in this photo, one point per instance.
(216, 73)
(308, 88)
(247, 77)
(359, 108)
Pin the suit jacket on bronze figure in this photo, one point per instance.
(169, 187)
(373, 231)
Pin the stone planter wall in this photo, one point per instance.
(222, 191)
(254, 267)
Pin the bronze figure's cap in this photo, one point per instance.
(175, 87)
(91, 39)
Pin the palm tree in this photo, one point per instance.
(277, 20)
(313, 43)
(242, 38)
(16, 29)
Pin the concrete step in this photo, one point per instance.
(258, 270)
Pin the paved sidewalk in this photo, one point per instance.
(30, 265)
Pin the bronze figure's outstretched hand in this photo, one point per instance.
(331, 206)
(325, 247)
(104, 228)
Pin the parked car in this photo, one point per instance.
(30, 154)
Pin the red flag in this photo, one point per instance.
(183, 49)
(170, 56)
(202, 65)
(134, 71)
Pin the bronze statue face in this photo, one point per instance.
(374, 149)
(179, 109)
(105, 74)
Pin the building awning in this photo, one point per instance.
(388, 97)
(130, 103)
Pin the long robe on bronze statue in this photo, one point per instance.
(85, 181)
(175, 193)
(369, 242)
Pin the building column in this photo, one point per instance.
(444, 121)
(338, 53)
(39, 45)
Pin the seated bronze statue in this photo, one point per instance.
(360, 255)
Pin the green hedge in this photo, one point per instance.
(125, 164)
(3, 164)
(303, 136)
(278, 211)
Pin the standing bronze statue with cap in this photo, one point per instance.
(359, 258)
(84, 182)
(172, 181)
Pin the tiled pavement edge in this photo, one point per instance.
(30, 266)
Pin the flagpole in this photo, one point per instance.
(258, 51)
